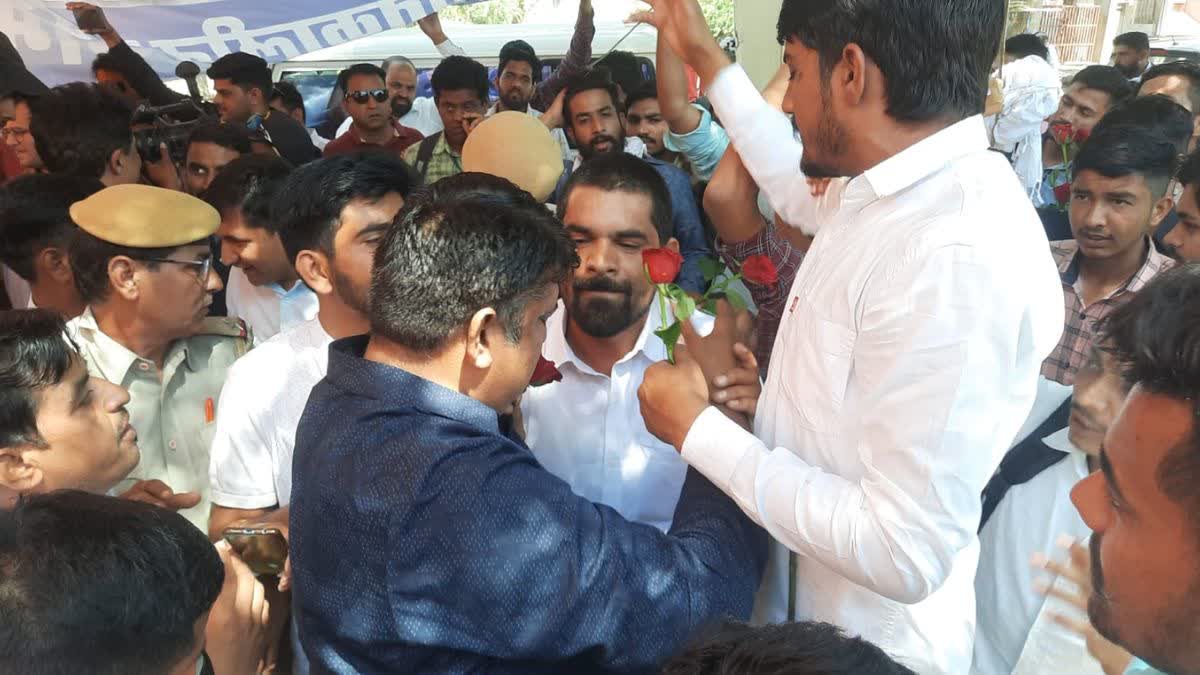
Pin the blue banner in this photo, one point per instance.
(166, 32)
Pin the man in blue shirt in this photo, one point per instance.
(425, 536)
(595, 121)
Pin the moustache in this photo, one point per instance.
(603, 138)
(602, 285)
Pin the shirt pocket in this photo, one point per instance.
(652, 479)
(816, 363)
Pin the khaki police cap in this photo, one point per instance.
(516, 146)
(142, 216)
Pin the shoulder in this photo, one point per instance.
(225, 334)
(673, 175)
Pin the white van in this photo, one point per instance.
(315, 74)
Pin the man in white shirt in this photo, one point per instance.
(264, 289)
(335, 213)
(586, 429)
(909, 353)
(1027, 507)
(516, 79)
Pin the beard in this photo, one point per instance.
(603, 317)
(1130, 71)
(515, 100)
(589, 150)
(401, 107)
(830, 139)
(350, 293)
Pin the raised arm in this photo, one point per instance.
(677, 110)
(431, 26)
(575, 62)
(141, 76)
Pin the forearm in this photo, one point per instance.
(731, 201)
(672, 91)
(142, 77)
(575, 62)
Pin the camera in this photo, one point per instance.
(169, 125)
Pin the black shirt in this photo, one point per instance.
(290, 139)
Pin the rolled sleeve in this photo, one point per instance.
(770, 300)
(241, 468)
(703, 146)
(574, 63)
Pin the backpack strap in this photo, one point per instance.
(425, 154)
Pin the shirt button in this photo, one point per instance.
(143, 366)
(172, 445)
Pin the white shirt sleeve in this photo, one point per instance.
(241, 469)
(896, 529)
(765, 139)
(448, 48)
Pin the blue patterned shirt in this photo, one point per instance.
(426, 539)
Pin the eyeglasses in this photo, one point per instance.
(16, 133)
(202, 267)
(363, 95)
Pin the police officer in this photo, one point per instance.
(143, 265)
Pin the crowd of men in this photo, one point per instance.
(966, 360)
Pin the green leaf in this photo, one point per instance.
(736, 299)
(711, 268)
(709, 307)
(670, 336)
(685, 307)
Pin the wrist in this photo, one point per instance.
(111, 38)
(708, 59)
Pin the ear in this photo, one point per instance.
(850, 76)
(1161, 208)
(116, 161)
(570, 132)
(482, 332)
(313, 269)
(54, 261)
(672, 244)
(122, 275)
(624, 120)
(17, 474)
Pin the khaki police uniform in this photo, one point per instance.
(173, 411)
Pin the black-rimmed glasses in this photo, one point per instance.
(202, 267)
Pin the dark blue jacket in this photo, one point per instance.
(426, 540)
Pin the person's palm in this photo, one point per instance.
(682, 24)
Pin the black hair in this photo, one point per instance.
(1121, 150)
(1189, 174)
(791, 648)
(1156, 339)
(622, 172)
(1106, 79)
(1026, 44)
(369, 69)
(625, 70)
(102, 585)
(465, 243)
(596, 78)
(234, 137)
(520, 50)
(89, 263)
(78, 126)
(1158, 113)
(935, 55)
(456, 73)
(1134, 40)
(1185, 69)
(35, 353)
(309, 209)
(249, 184)
(289, 95)
(246, 71)
(113, 64)
(647, 90)
(34, 215)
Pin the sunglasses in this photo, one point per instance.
(363, 95)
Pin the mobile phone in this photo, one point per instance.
(263, 549)
(89, 19)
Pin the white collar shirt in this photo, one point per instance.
(1008, 603)
(264, 396)
(905, 362)
(268, 309)
(588, 429)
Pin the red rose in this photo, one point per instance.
(1062, 193)
(544, 373)
(662, 264)
(758, 269)
(1062, 132)
(1081, 135)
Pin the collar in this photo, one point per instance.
(442, 147)
(1066, 253)
(398, 388)
(529, 110)
(557, 349)
(633, 146)
(1061, 441)
(114, 359)
(925, 158)
(297, 289)
(357, 138)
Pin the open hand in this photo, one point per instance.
(159, 494)
(553, 117)
(683, 26)
(740, 387)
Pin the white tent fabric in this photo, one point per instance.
(166, 32)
